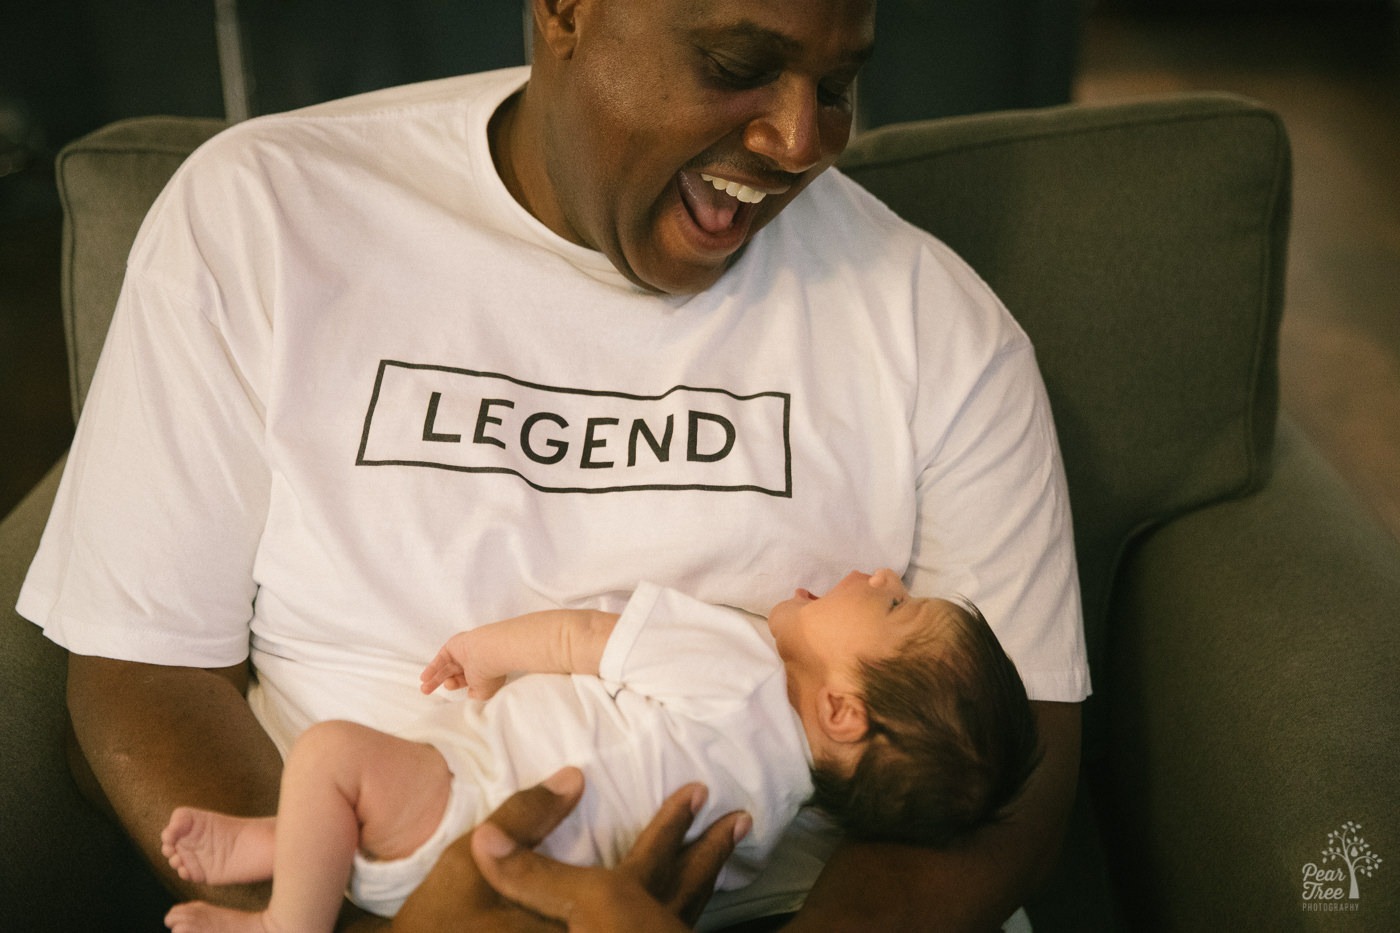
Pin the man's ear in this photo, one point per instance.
(843, 715)
(556, 24)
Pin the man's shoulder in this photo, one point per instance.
(365, 119)
(837, 215)
(409, 130)
(405, 98)
(836, 195)
(840, 225)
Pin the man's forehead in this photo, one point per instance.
(786, 26)
(854, 51)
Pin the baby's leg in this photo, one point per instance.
(213, 848)
(199, 917)
(345, 787)
(348, 787)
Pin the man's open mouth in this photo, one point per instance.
(735, 189)
(717, 205)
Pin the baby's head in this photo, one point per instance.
(918, 721)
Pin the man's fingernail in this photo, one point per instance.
(741, 827)
(563, 782)
(494, 842)
(697, 798)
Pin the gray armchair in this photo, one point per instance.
(1241, 607)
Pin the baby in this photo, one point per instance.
(901, 718)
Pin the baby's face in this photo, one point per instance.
(864, 616)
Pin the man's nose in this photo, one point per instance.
(788, 132)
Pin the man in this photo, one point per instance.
(402, 364)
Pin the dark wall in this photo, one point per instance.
(938, 58)
(301, 51)
(69, 66)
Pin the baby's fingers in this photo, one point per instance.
(484, 688)
(441, 670)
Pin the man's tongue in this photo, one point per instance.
(712, 209)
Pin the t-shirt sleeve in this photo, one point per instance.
(994, 519)
(149, 550)
(681, 651)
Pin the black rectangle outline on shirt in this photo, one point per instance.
(785, 493)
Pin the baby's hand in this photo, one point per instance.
(461, 663)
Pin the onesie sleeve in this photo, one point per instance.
(993, 508)
(681, 651)
(149, 550)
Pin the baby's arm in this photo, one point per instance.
(553, 641)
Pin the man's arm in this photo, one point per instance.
(156, 737)
(974, 887)
(553, 641)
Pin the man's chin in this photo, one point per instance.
(672, 276)
(681, 257)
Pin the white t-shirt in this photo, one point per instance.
(685, 692)
(355, 398)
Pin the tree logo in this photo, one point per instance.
(1345, 860)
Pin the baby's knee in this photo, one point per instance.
(327, 744)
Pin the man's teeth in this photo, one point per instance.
(735, 190)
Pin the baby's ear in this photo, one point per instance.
(843, 715)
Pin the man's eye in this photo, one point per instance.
(834, 94)
(737, 74)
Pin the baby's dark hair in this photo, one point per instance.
(951, 739)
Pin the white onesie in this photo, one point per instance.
(686, 692)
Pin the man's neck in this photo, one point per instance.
(500, 136)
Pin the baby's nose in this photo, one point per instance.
(883, 579)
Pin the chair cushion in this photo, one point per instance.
(1141, 245)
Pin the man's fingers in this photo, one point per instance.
(658, 845)
(540, 884)
(682, 876)
(529, 815)
(456, 888)
(700, 863)
(587, 900)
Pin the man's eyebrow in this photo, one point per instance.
(749, 31)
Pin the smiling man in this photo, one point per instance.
(666, 135)
(402, 364)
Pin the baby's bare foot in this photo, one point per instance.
(199, 917)
(213, 848)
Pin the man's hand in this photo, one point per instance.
(661, 885)
(455, 896)
(465, 661)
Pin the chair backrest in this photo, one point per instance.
(107, 182)
(1141, 245)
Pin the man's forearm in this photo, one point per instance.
(158, 737)
(976, 886)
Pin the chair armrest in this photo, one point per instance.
(64, 865)
(1255, 706)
